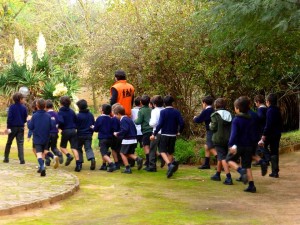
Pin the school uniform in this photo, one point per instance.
(67, 123)
(128, 135)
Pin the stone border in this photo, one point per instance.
(42, 202)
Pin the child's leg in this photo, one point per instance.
(20, 144)
(124, 158)
(9, 141)
(165, 157)
(89, 152)
(217, 175)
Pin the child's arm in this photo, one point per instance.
(201, 118)
(213, 126)
(139, 119)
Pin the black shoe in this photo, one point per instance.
(170, 170)
(264, 168)
(215, 177)
(43, 173)
(176, 164)
(128, 170)
(228, 181)
(250, 189)
(139, 162)
(69, 160)
(111, 167)
(39, 170)
(77, 168)
(61, 159)
(103, 167)
(151, 170)
(93, 164)
(275, 175)
(6, 160)
(22, 161)
(244, 176)
(204, 167)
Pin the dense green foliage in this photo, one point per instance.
(185, 48)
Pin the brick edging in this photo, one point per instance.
(42, 202)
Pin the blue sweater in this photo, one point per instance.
(54, 115)
(66, 118)
(170, 122)
(256, 135)
(17, 115)
(84, 121)
(273, 122)
(104, 127)
(242, 131)
(127, 129)
(116, 124)
(262, 113)
(40, 124)
(204, 117)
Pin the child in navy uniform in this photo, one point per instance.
(116, 142)
(67, 123)
(220, 126)
(17, 115)
(272, 133)
(240, 142)
(53, 132)
(171, 124)
(41, 124)
(128, 135)
(84, 121)
(205, 117)
(104, 127)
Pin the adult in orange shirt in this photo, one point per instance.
(122, 92)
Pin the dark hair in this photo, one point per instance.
(272, 99)
(137, 101)
(119, 109)
(120, 75)
(40, 103)
(158, 100)
(208, 100)
(260, 99)
(243, 104)
(17, 97)
(220, 103)
(65, 101)
(82, 104)
(106, 108)
(168, 100)
(145, 100)
(33, 105)
(49, 104)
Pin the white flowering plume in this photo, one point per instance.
(41, 46)
(75, 100)
(29, 60)
(19, 53)
(60, 90)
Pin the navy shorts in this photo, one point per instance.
(167, 144)
(146, 138)
(40, 148)
(128, 149)
(104, 145)
(209, 142)
(222, 152)
(69, 135)
(246, 156)
(116, 144)
(139, 139)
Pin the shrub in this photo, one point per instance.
(185, 151)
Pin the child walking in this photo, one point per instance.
(84, 121)
(220, 126)
(41, 124)
(67, 123)
(128, 135)
(204, 116)
(104, 127)
(17, 116)
(143, 119)
(171, 124)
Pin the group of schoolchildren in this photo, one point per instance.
(154, 124)
(237, 140)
